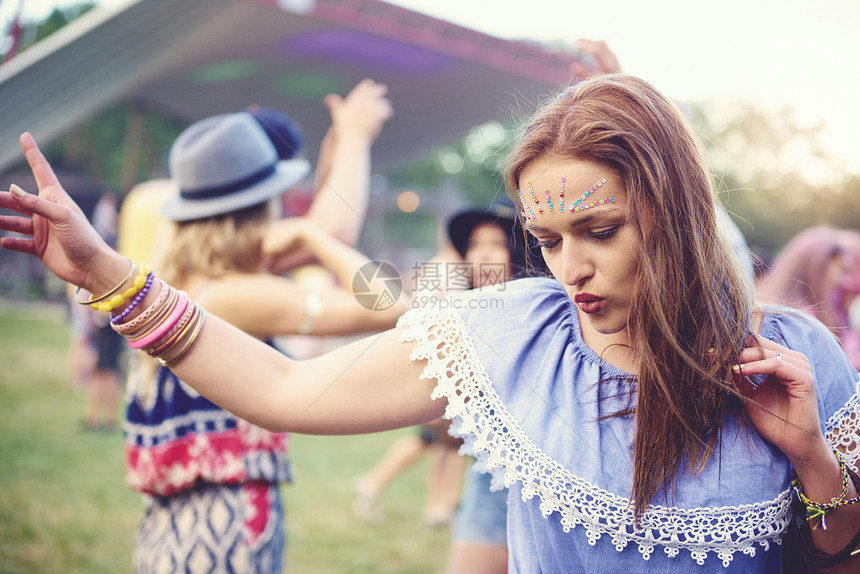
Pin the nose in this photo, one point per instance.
(576, 265)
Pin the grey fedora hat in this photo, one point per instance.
(224, 163)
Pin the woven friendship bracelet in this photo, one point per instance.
(816, 511)
(823, 559)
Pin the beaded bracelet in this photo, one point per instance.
(143, 319)
(143, 273)
(815, 511)
(90, 300)
(822, 559)
(136, 301)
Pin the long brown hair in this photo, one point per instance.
(691, 307)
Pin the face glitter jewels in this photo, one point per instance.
(534, 197)
(527, 211)
(579, 204)
(561, 196)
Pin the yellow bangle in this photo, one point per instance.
(119, 300)
(92, 300)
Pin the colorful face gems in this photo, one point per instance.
(581, 205)
(534, 197)
(527, 213)
(561, 196)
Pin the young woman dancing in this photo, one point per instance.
(638, 405)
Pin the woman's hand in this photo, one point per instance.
(600, 60)
(363, 112)
(57, 231)
(287, 236)
(784, 408)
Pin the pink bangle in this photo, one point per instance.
(165, 326)
(134, 324)
(175, 333)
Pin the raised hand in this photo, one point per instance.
(363, 111)
(784, 409)
(601, 60)
(56, 230)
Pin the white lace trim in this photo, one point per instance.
(503, 447)
(842, 428)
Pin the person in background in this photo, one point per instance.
(339, 204)
(104, 386)
(491, 242)
(818, 272)
(477, 251)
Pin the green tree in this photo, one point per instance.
(774, 176)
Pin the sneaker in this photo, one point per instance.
(365, 505)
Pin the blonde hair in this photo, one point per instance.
(210, 247)
(214, 246)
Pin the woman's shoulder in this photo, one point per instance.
(794, 326)
(836, 379)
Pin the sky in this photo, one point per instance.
(776, 53)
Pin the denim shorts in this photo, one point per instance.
(482, 516)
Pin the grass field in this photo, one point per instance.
(65, 507)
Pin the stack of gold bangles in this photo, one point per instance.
(164, 330)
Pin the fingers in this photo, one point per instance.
(7, 201)
(40, 167)
(769, 358)
(29, 203)
(332, 101)
(15, 224)
(19, 244)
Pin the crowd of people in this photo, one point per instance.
(629, 395)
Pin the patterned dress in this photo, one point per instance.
(210, 480)
(527, 394)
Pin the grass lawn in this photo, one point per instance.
(65, 507)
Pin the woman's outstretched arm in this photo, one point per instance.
(366, 386)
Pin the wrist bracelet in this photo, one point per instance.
(143, 319)
(816, 511)
(100, 298)
(822, 559)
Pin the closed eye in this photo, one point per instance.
(604, 234)
(547, 244)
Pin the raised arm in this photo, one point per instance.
(366, 386)
(343, 169)
(281, 306)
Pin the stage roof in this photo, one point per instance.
(194, 58)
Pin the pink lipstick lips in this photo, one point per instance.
(588, 303)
